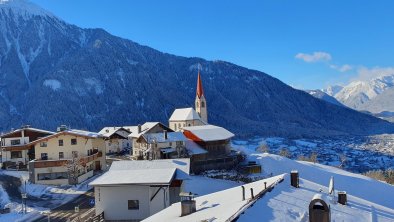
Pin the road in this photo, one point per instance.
(66, 212)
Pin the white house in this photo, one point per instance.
(14, 145)
(135, 190)
(117, 139)
(138, 131)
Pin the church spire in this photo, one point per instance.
(201, 103)
(200, 91)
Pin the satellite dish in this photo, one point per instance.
(331, 186)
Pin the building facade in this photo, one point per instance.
(117, 139)
(139, 147)
(67, 157)
(14, 146)
(135, 190)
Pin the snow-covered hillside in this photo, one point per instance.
(368, 199)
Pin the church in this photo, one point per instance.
(187, 117)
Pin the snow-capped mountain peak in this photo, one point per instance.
(24, 8)
(358, 94)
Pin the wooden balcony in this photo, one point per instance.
(59, 163)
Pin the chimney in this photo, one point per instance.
(188, 204)
(342, 198)
(139, 128)
(294, 178)
(165, 134)
(243, 192)
(61, 128)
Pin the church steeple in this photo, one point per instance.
(201, 103)
(200, 90)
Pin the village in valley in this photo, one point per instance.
(159, 172)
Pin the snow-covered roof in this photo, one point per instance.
(144, 172)
(286, 203)
(220, 206)
(109, 131)
(184, 114)
(74, 132)
(29, 129)
(159, 137)
(136, 176)
(193, 148)
(209, 132)
(144, 129)
(83, 133)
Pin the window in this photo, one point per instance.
(60, 142)
(202, 104)
(133, 205)
(61, 155)
(73, 141)
(16, 154)
(196, 104)
(75, 154)
(175, 126)
(43, 144)
(170, 143)
(44, 156)
(15, 142)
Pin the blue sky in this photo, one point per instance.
(306, 44)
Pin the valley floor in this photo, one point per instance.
(354, 154)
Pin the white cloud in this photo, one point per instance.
(314, 57)
(342, 68)
(365, 74)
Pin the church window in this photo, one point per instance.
(202, 104)
(196, 104)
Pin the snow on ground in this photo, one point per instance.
(203, 185)
(218, 206)
(16, 209)
(368, 199)
(355, 184)
(41, 197)
(286, 203)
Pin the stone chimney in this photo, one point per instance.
(139, 128)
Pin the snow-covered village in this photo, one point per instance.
(95, 127)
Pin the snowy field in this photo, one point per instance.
(361, 154)
(368, 199)
(41, 198)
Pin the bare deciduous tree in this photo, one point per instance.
(74, 166)
(264, 148)
(284, 152)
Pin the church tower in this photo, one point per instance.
(201, 103)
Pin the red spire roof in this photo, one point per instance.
(200, 90)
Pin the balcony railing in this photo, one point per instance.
(59, 163)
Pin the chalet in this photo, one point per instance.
(135, 190)
(117, 139)
(169, 145)
(14, 146)
(216, 141)
(139, 148)
(67, 157)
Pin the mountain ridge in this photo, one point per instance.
(54, 73)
